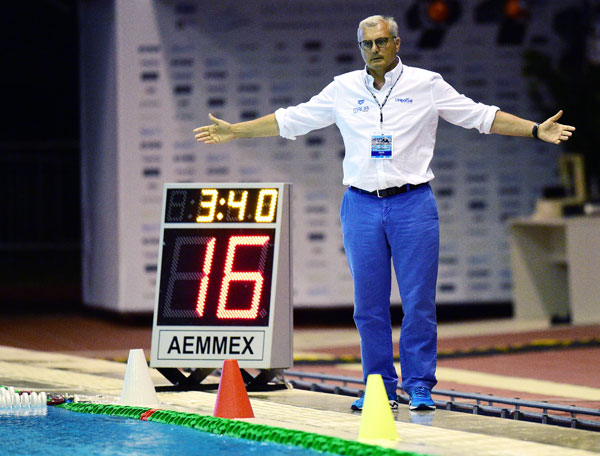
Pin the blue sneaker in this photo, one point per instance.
(420, 399)
(392, 398)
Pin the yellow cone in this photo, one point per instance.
(377, 423)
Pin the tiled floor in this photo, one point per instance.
(570, 376)
(76, 355)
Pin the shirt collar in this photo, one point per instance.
(389, 76)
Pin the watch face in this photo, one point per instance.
(216, 277)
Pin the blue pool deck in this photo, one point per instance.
(442, 433)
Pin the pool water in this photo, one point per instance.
(62, 432)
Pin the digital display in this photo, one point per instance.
(216, 277)
(223, 286)
(221, 205)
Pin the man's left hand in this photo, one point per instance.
(553, 132)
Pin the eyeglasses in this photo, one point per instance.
(381, 43)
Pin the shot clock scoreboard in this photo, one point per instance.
(223, 287)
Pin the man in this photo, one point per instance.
(387, 114)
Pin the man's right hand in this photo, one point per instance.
(219, 132)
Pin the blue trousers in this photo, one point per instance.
(403, 228)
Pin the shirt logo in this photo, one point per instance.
(403, 100)
(360, 107)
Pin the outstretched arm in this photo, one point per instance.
(220, 132)
(549, 130)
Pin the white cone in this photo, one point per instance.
(138, 388)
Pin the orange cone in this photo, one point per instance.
(232, 397)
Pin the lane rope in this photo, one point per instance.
(241, 429)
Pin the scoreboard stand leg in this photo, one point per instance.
(193, 382)
(261, 382)
(182, 383)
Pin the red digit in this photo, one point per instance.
(242, 276)
(206, 267)
(183, 243)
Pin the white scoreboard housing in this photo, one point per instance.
(223, 288)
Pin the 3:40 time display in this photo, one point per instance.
(221, 205)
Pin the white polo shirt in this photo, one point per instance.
(411, 113)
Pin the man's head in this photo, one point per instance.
(379, 42)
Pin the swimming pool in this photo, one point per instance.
(62, 431)
(106, 430)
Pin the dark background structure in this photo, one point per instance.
(39, 157)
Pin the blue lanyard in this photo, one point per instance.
(386, 97)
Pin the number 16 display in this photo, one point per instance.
(223, 282)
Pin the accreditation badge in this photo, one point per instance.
(381, 145)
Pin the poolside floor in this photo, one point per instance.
(86, 358)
